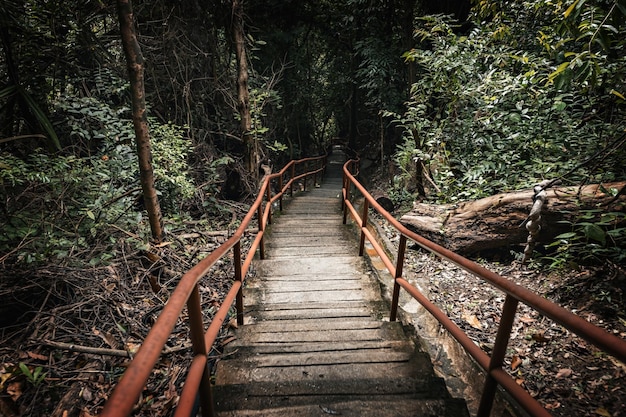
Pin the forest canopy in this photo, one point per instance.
(448, 100)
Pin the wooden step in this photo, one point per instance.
(404, 397)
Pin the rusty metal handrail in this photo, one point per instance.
(186, 292)
(493, 365)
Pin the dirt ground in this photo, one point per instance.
(566, 374)
(67, 333)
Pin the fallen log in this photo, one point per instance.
(497, 221)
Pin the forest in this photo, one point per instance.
(133, 138)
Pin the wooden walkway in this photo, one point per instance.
(316, 341)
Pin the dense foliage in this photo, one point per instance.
(68, 162)
(510, 94)
(64, 206)
(530, 91)
(493, 112)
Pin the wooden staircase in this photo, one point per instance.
(316, 341)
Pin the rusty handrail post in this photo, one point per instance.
(395, 300)
(268, 195)
(293, 175)
(306, 169)
(366, 206)
(196, 334)
(497, 357)
(261, 230)
(238, 277)
(347, 186)
(344, 198)
(344, 187)
(280, 186)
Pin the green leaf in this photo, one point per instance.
(7, 91)
(41, 117)
(570, 9)
(621, 232)
(25, 370)
(567, 235)
(618, 94)
(595, 232)
(558, 70)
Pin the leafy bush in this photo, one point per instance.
(485, 118)
(171, 149)
(51, 206)
(65, 206)
(595, 237)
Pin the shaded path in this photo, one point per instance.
(315, 343)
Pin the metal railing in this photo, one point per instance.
(492, 365)
(186, 293)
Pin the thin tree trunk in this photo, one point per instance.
(251, 156)
(407, 40)
(135, 63)
(8, 125)
(16, 100)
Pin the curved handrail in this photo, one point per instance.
(186, 293)
(496, 375)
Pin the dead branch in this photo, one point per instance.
(104, 351)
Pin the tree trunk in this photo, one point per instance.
(251, 156)
(135, 63)
(408, 42)
(9, 124)
(497, 221)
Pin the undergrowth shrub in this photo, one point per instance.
(483, 119)
(71, 207)
(595, 237)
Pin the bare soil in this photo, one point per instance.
(52, 315)
(566, 374)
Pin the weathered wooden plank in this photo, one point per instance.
(416, 388)
(337, 265)
(306, 325)
(313, 296)
(391, 407)
(263, 280)
(231, 373)
(314, 220)
(317, 306)
(354, 357)
(310, 251)
(313, 311)
(285, 238)
(313, 284)
(313, 347)
(328, 336)
(306, 232)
